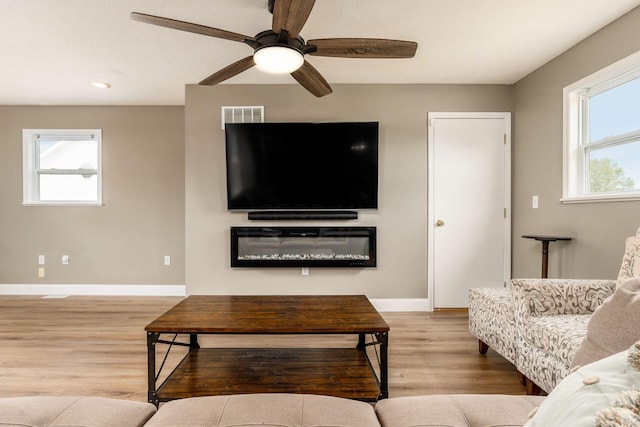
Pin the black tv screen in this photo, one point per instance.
(302, 165)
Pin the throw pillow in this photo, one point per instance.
(603, 393)
(613, 326)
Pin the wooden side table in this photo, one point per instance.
(545, 249)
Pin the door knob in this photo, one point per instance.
(439, 223)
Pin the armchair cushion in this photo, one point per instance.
(558, 335)
(614, 326)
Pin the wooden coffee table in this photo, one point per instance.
(341, 372)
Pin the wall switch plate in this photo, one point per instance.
(305, 271)
(41, 272)
(167, 260)
(534, 202)
(65, 259)
(40, 259)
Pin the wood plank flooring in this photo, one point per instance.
(96, 346)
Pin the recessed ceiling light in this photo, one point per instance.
(101, 85)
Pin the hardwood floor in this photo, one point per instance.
(97, 346)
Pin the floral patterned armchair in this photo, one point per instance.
(552, 315)
(538, 324)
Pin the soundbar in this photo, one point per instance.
(302, 215)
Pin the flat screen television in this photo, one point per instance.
(303, 166)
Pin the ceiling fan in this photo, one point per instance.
(281, 49)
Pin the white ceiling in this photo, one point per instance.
(50, 50)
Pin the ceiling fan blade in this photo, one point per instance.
(312, 80)
(229, 71)
(291, 15)
(189, 27)
(364, 48)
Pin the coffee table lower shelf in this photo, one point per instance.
(340, 372)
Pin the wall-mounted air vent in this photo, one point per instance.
(242, 114)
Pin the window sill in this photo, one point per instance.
(94, 204)
(601, 199)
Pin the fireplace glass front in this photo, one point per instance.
(303, 246)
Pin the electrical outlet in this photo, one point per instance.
(534, 202)
(40, 259)
(65, 259)
(305, 271)
(41, 272)
(167, 260)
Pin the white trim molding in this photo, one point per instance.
(101, 290)
(401, 304)
(380, 304)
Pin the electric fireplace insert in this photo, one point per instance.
(303, 246)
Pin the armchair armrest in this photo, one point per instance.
(544, 297)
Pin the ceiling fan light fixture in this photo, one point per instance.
(278, 59)
(101, 85)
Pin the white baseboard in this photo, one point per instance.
(381, 304)
(400, 304)
(104, 290)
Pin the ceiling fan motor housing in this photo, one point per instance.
(268, 38)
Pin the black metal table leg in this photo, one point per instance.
(193, 341)
(152, 393)
(383, 339)
(361, 341)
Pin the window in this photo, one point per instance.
(62, 166)
(602, 135)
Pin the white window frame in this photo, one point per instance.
(30, 168)
(575, 130)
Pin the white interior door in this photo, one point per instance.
(469, 196)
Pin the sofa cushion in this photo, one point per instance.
(65, 411)
(613, 327)
(456, 410)
(558, 335)
(593, 393)
(282, 410)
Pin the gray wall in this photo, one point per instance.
(402, 215)
(598, 229)
(156, 207)
(122, 242)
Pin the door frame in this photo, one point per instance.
(506, 117)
